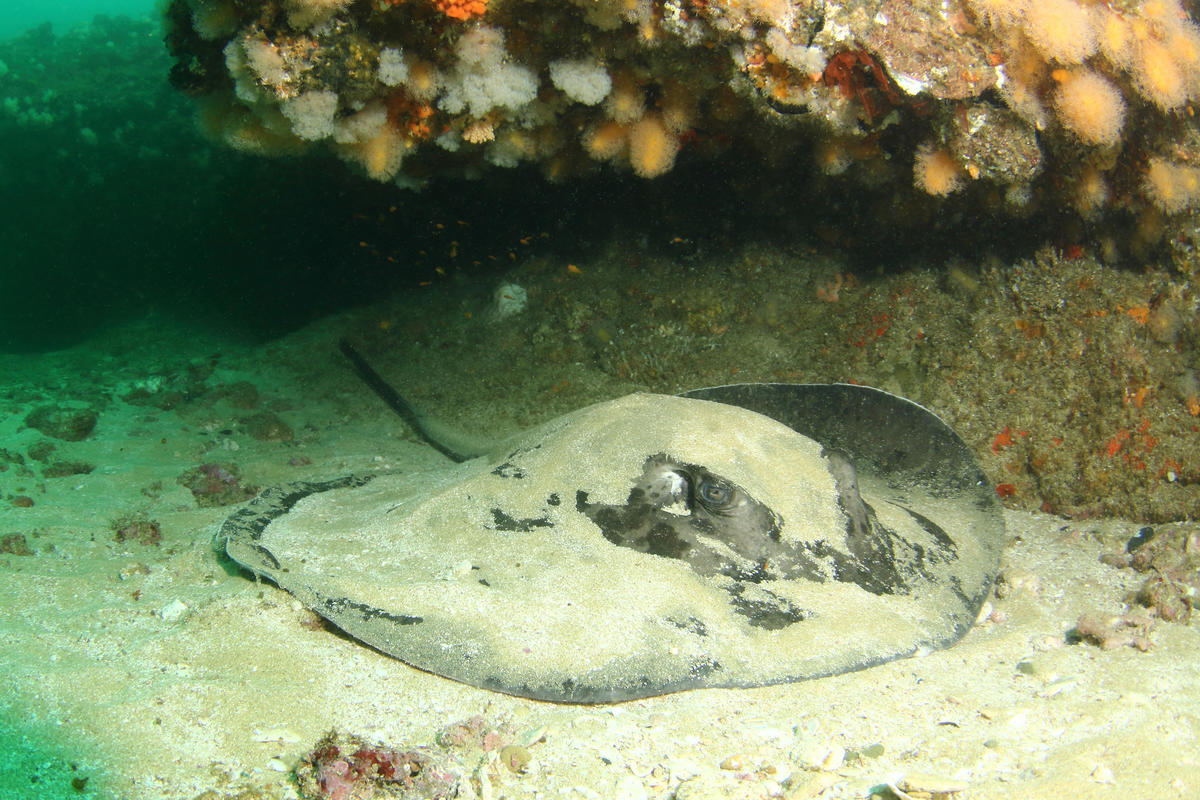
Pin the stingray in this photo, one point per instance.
(731, 536)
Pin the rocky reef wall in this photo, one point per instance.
(1020, 107)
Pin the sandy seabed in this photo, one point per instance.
(161, 671)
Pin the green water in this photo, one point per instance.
(34, 764)
(19, 15)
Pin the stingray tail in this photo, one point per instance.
(431, 432)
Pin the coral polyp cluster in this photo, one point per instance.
(1080, 104)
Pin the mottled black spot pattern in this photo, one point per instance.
(504, 522)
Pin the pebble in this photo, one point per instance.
(516, 758)
(873, 750)
(130, 571)
(736, 763)
(925, 785)
(1017, 581)
(174, 611)
(824, 757)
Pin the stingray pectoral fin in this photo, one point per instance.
(241, 533)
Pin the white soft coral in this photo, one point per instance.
(483, 79)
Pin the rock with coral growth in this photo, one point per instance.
(1169, 556)
(466, 759)
(1004, 93)
(68, 424)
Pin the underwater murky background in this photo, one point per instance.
(18, 16)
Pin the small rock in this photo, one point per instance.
(268, 427)
(1111, 631)
(508, 300)
(65, 469)
(174, 611)
(348, 766)
(216, 485)
(736, 763)
(824, 757)
(40, 451)
(1047, 641)
(515, 757)
(14, 544)
(1014, 581)
(131, 571)
(21, 501)
(136, 528)
(69, 424)
(934, 787)
(241, 394)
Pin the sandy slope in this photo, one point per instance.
(109, 678)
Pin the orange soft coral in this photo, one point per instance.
(461, 9)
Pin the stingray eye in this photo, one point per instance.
(715, 495)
